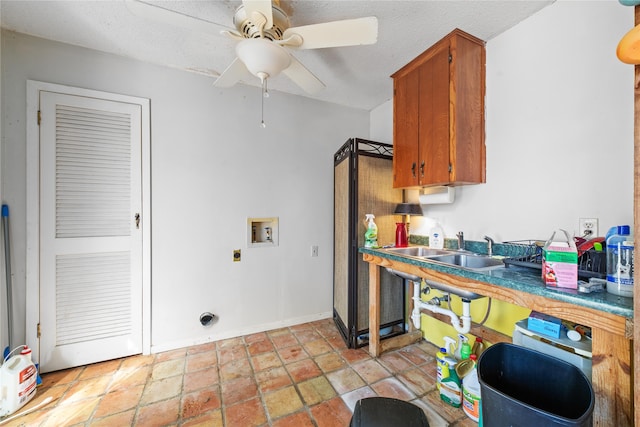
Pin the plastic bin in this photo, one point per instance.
(523, 387)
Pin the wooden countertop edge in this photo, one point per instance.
(602, 320)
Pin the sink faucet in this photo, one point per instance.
(490, 243)
(460, 237)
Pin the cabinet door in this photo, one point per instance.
(434, 147)
(405, 130)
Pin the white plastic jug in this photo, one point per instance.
(17, 381)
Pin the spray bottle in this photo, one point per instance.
(371, 235)
(451, 386)
(442, 359)
(462, 340)
(17, 381)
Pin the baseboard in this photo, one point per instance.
(173, 345)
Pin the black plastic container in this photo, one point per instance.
(523, 387)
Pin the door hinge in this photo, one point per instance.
(450, 167)
(39, 117)
(450, 58)
(38, 332)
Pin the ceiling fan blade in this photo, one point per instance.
(232, 75)
(172, 17)
(304, 78)
(349, 32)
(261, 6)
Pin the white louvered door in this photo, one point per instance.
(90, 230)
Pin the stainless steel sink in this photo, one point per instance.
(469, 262)
(463, 259)
(443, 287)
(418, 251)
(459, 259)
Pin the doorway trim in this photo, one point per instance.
(33, 205)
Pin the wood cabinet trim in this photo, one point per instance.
(424, 56)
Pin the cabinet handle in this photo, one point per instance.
(422, 169)
(413, 169)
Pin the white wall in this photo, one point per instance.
(559, 129)
(212, 167)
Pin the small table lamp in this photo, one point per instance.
(402, 230)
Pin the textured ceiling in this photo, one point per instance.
(356, 76)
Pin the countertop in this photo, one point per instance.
(524, 280)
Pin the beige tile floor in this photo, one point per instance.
(290, 377)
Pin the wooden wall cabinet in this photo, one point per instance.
(438, 115)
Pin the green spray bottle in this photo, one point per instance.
(451, 386)
(442, 359)
(371, 235)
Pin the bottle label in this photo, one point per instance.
(442, 371)
(470, 404)
(620, 263)
(450, 393)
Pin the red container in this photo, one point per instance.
(401, 235)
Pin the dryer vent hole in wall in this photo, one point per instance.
(206, 319)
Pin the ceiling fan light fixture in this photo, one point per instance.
(262, 57)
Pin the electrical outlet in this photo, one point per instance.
(236, 255)
(588, 227)
(314, 251)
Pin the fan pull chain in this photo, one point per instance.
(265, 94)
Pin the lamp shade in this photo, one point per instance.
(263, 57)
(408, 209)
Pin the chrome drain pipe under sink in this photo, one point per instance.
(418, 305)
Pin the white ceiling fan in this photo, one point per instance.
(265, 37)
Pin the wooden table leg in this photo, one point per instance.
(374, 310)
(611, 379)
(409, 295)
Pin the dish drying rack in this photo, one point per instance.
(528, 253)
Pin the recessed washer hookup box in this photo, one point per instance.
(544, 324)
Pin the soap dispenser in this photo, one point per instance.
(436, 237)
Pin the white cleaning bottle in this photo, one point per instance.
(371, 235)
(436, 237)
(17, 382)
(471, 399)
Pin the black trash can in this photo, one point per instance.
(521, 387)
(387, 412)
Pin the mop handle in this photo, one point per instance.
(7, 261)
